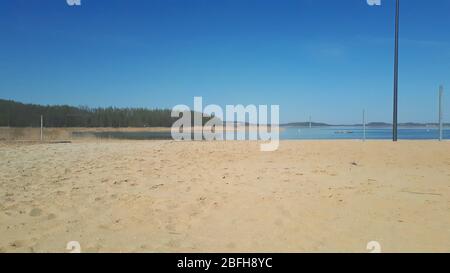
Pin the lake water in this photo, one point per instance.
(357, 133)
(298, 133)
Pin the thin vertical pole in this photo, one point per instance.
(310, 122)
(364, 125)
(395, 118)
(9, 116)
(441, 94)
(42, 126)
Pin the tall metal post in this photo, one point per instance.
(42, 126)
(364, 125)
(395, 118)
(441, 94)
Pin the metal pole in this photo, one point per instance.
(42, 125)
(364, 125)
(397, 26)
(310, 122)
(441, 94)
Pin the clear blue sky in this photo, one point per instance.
(324, 58)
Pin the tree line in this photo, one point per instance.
(16, 114)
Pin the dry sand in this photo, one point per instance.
(165, 196)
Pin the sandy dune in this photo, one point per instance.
(165, 196)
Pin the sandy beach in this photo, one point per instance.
(166, 196)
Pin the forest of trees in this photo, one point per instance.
(17, 114)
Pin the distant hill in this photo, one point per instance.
(379, 124)
(304, 124)
(405, 124)
(371, 124)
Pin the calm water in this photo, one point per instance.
(357, 133)
(293, 133)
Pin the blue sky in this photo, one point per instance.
(324, 58)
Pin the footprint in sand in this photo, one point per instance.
(35, 212)
(17, 244)
(171, 227)
(231, 245)
(51, 216)
(173, 243)
(278, 222)
(284, 212)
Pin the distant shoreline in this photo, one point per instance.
(164, 133)
(383, 126)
